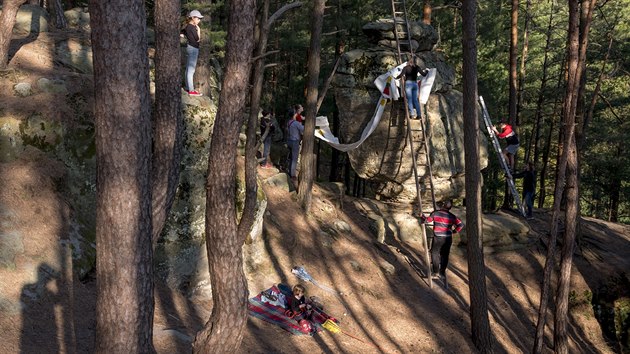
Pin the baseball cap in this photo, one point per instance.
(195, 13)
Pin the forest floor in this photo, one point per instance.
(386, 306)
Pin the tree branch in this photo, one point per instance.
(264, 55)
(281, 11)
(611, 108)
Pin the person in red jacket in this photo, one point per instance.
(511, 138)
(445, 224)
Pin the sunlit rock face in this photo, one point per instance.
(384, 159)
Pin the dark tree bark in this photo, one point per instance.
(124, 266)
(567, 120)
(339, 49)
(591, 109)
(567, 172)
(481, 335)
(307, 157)
(523, 67)
(615, 190)
(7, 21)
(539, 120)
(572, 217)
(55, 8)
(167, 118)
(547, 147)
(513, 73)
(223, 332)
(513, 83)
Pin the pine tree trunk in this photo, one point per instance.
(7, 21)
(568, 166)
(615, 191)
(223, 332)
(568, 246)
(523, 67)
(55, 8)
(339, 49)
(167, 118)
(539, 120)
(547, 150)
(563, 160)
(513, 84)
(589, 114)
(513, 77)
(124, 266)
(481, 334)
(307, 158)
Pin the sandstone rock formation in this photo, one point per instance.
(384, 158)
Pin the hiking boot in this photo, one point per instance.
(444, 281)
(194, 93)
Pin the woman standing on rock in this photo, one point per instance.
(192, 33)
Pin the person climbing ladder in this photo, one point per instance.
(511, 138)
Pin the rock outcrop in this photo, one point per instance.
(384, 158)
(48, 168)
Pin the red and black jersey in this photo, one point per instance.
(510, 136)
(445, 223)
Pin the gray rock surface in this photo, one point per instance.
(393, 221)
(31, 19)
(23, 89)
(384, 158)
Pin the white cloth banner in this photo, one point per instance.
(425, 86)
(322, 129)
(388, 85)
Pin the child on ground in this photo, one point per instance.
(298, 301)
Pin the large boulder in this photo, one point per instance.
(392, 222)
(75, 53)
(384, 158)
(31, 19)
(381, 32)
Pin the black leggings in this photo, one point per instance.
(440, 249)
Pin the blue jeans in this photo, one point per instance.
(294, 152)
(193, 54)
(529, 202)
(411, 91)
(267, 147)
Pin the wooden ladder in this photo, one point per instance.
(416, 132)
